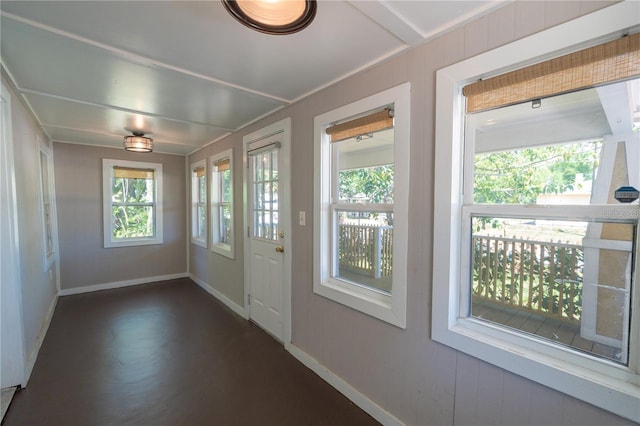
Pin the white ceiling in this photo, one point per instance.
(186, 71)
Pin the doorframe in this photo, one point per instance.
(284, 182)
(16, 350)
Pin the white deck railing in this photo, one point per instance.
(366, 249)
(538, 276)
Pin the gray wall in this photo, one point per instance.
(414, 378)
(83, 259)
(221, 273)
(38, 286)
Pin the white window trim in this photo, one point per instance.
(604, 384)
(390, 308)
(195, 190)
(227, 250)
(48, 258)
(107, 175)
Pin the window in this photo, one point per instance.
(132, 200)
(534, 257)
(222, 203)
(361, 186)
(199, 203)
(47, 207)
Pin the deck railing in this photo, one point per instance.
(538, 276)
(366, 249)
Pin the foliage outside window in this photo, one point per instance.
(199, 203)
(533, 255)
(132, 196)
(362, 173)
(222, 238)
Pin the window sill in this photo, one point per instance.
(223, 249)
(197, 242)
(133, 242)
(373, 303)
(566, 372)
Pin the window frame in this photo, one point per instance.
(196, 203)
(47, 193)
(227, 250)
(580, 376)
(389, 308)
(108, 165)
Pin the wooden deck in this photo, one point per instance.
(561, 332)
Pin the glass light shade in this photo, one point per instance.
(138, 143)
(273, 16)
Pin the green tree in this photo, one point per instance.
(375, 183)
(132, 209)
(519, 176)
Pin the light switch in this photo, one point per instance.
(302, 218)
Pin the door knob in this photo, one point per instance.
(280, 249)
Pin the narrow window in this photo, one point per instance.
(199, 203)
(132, 196)
(222, 238)
(46, 204)
(362, 191)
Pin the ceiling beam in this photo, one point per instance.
(388, 19)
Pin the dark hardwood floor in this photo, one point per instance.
(169, 354)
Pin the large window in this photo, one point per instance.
(199, 203)
(222, 239)
(535, 258)
(362, 158)
(132, 198)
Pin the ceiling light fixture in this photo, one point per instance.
(277, 17)
(138, 142)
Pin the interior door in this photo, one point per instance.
(266, 235)
(11, 345)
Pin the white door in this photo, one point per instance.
(11, 346)
(266, 235)
(267, 216)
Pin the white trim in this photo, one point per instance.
(227, 250)
(342, 386)
(283, 126)
(107, 175)
(187, 224)
(37, 344)
(239, 310)
(118, 284)
(193, 206)
(391, 309)
(611, 387)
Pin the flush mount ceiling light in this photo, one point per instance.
(138, 143)
(273, 16)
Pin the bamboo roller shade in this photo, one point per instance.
(375, 122)
(199, 172)
(223, 165)
(612, 61)
(130, 173)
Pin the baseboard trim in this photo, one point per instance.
(118, 284)
(221, 297)
(35, 349)
(370, 407)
